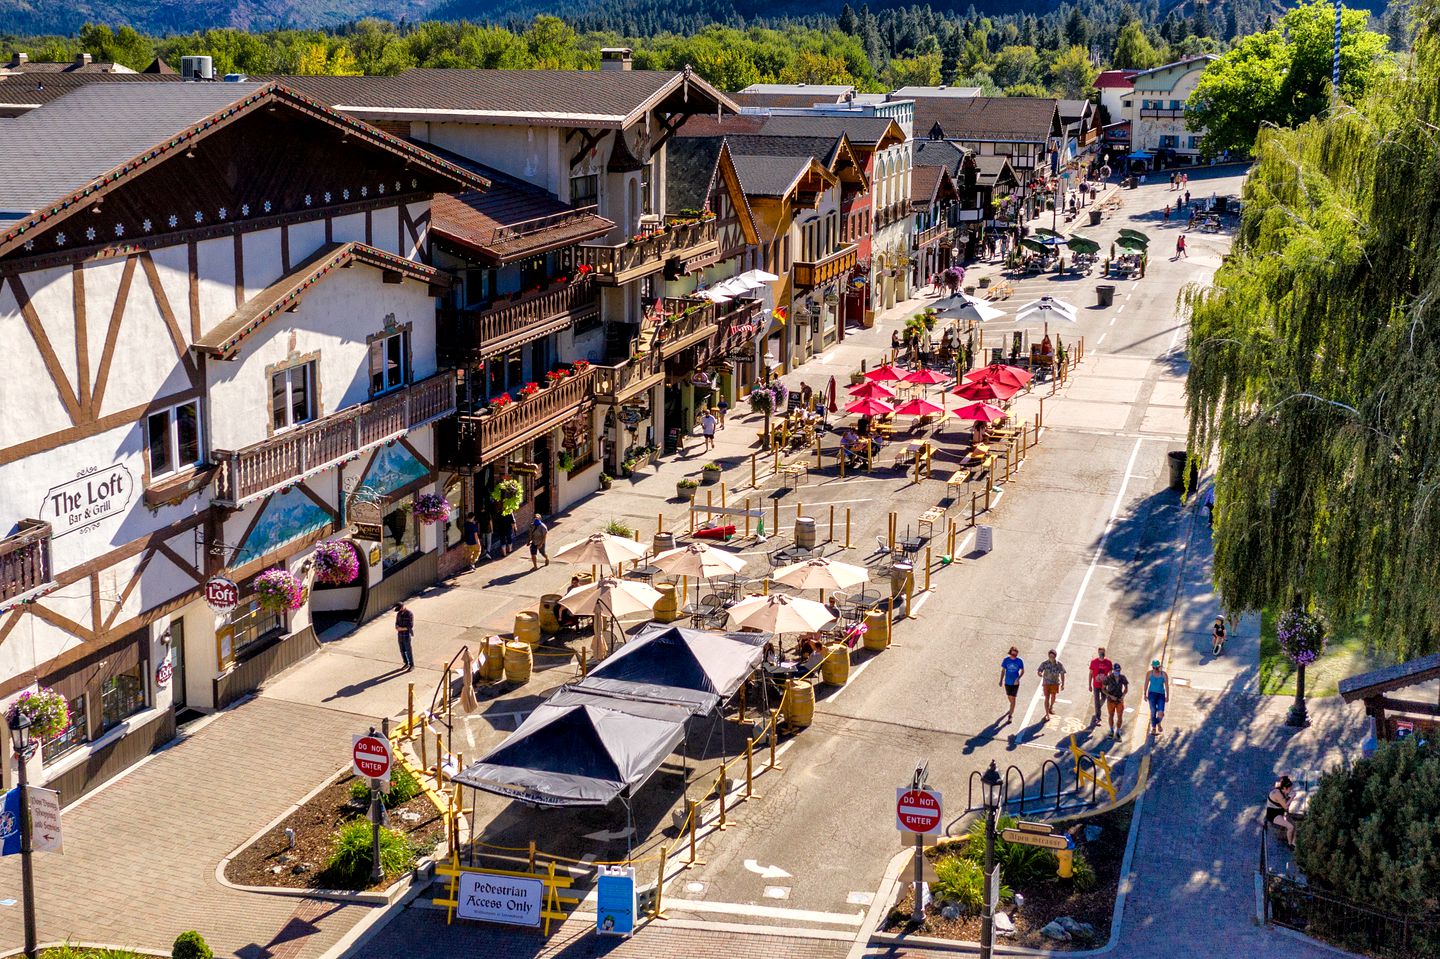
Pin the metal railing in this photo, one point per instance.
(1162, 114)
(474, 334)
(930, 234)
(25, 560)
(613, 261)
(480, 438)
(258, 469)
(539, 224)
(615, 382)
(810, 273)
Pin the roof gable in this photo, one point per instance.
(1012, 119)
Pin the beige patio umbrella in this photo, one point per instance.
(600, 548)
(609, 597)
(778, 613)
(698, 559)
(821, 573)
(468, 703)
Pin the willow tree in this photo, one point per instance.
(1315, 365)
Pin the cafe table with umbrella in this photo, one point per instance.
(984, 391)
(885, 374)
(925, 376)
(1134, 244)
(779, 613)
(700, 560)
(1043, 309)
(980, 413)
(871, 391)
(599, 549)
(1046, 232)
(1135, 234)
(822, 574)
(609, 597)
(1000, 373)
(1083, 244)
(919, 406)
(977, 311)
(870, 407)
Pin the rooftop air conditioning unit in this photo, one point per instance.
(197, 68)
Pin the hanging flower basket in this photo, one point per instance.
(1302, 635)
(509, 493)
(432, 508)
(336, 562)
(279, 591)
(48, 712)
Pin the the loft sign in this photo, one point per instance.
(97, 493)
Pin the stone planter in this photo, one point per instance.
(984, 282)
(686, 493)
(709, 477)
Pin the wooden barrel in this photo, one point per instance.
(527, 627)
(667, 610)
(517, 662)
(492, 669)
(550, 613)
(877, 630)
(799, 711)
(835, 667)
(661, 541)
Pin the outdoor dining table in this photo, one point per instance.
(645, 574)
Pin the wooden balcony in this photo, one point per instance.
(618, 264)
(931, 234)
(470, 336)
(25, 562)
(614, 384)
(471, 440)
(690, 321)
(247, 474)
(1155, 113)
(812, 273)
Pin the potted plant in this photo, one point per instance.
(279, 591)
(47, 710)
(685, 489)
(529, 390)
(617, 528)
(431, 508)
(336, 562)
(984, 282)
(606, 481)
(500, 402)
(710, 473)
(509, 493)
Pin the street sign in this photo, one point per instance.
(44, 820)
(1034, 826)
(917, 810)
(1043, 840)
(993, 888)
(615, 901)
(370, 757)
(222, 594)
(505, 899)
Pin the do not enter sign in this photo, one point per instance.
(917, 810)
(371, 758)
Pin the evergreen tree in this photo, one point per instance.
(848, 22)
(1077, 31)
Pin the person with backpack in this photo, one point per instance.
(1099, 668)
(1117, 684)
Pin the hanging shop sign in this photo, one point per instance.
(80, 504)
(221, 594)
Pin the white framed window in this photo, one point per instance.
(172, 439)
(389, 362)
(292, 396)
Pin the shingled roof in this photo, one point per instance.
(927, 183)
(22, 92)
(1004, 119)
(938, 153)
(769, 176)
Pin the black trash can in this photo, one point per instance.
(1105, 294)
(1095, 217)
(1176, 460)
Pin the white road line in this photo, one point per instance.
(767, 912)
(1120, 310)
(1113, 319)
(1078, 623)
(1089, 572)
(1102, 338)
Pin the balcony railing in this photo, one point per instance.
(739, 324)
(539, 224)
(642, 255)
(25, 561)
(930, 234)
(1161, 114)
(472, 335)
(252, 472)
(472, 440)
(809, 273)
(689, 322)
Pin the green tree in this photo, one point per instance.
(1282, 76)
(1077, 30)
(1027, 90)
(1133, 49)
(1016, 65)
(918, 71)
(811, 67)
(1072, 73)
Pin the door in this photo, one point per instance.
(177, 662)
(545, 478)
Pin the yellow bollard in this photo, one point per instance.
(749, 768)
(722, 825)
(910, 597)
(847, 527)
(694, 819)
(972, 508)
(659, 912)
(660, 523)
(709, 505)
(776, 530)
(1040, 416)
(831, 538)
(1065, 863)
(774, 722)
(754, 482)
(891, 534)
(424, 753)
(409, 710)
(747, 517)
(722, 494)
(818, 463)
(927, 569)
(584, 671)
(799, 511)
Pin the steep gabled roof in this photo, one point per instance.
(928, 184)
(774, 176)
(1114, 80)
(1004, 119)
(938, 153)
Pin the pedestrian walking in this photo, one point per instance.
(504, 532)
(708, 423)
(470, 537)
(1180, 247)
(1157, 691)
(404, 634)
(1100, 667)
(1052, 681)
(1012, 667)
(1117, 684)
(1167, 213)
(1174, 181)
(720, 410)
(1187, 197)
(895, 341)
(1217, 636)
(538, 532)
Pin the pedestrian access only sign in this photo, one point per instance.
(917, 810)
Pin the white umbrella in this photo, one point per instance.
(600, 548)
(616, 597)
(1044, 308)
(978, 310)
(713, 295)
(778, 613)
(821, 574)
(697, 559)
(757, 278)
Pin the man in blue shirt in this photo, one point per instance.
(1012, 667)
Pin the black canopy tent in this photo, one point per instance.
(692, 668)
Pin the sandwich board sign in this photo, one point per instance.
(615, 901)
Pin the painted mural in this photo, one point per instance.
(286, 516)
(394, 466)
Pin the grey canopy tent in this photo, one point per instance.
(580, 749)
(692, 668)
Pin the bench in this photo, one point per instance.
(928, 519)
(790, 474)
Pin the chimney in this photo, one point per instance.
(82, 59)
(615, 58)
(19, 59)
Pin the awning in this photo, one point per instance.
(580, 749)
(693, 668)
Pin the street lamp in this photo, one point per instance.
(20, 734)
(991, 788)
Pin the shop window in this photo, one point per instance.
(401, 534)
(455, 526)
(389, 362)
(292, 396)
(253, 624)
(122, 696)
(72, 737)
(172, 439)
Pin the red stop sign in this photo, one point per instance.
(371, 757)
(917, 810)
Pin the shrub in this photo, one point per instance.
(403, 788)
(350, 858)
(1082, 874)
(68, 951)
(1019, 865)
(190, 945)
(961, 879)
(617, 528)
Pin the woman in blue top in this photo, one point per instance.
(1157, 691)
(1012, 667)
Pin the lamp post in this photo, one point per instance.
(20, 735)
(991, 786)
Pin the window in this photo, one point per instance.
(389, 362)
(253, 624)
(584, 190)
(172, 438)
(292, 399)
(1126, 103)
(1169, 142)
(1194, 143)
(72, 737)
(646, 202)
(122, 696)
(1177, 104)
(400, 532)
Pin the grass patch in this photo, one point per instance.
(80, 952)
(1345, 655)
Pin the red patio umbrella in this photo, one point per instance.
(885, 373)
(926, 377)
(1010, 375)
(870, 407)
(871, 391)
(980, 412)
(833, 405)
(989, 389)
(918, 407)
